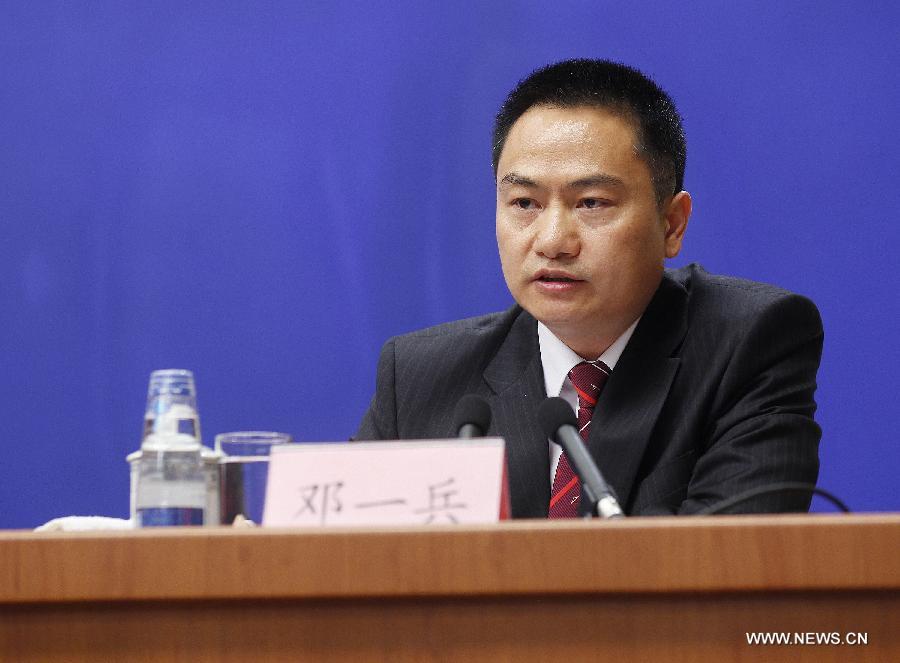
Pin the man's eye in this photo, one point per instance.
(593, 203)
(524, 203)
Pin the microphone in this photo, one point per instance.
(560, 425)
(472, 416)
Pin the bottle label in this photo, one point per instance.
(169, 517)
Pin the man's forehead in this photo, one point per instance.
(542, 118)
(575, 143)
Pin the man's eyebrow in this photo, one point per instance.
(514, 179)
(601, 179)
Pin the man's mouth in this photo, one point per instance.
(556, 283)
(555, 276)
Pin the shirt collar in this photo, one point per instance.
(558, 359)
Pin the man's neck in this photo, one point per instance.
(590, 347)
(565, 355)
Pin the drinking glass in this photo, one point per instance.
(243, 470)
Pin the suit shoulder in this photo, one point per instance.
(481, 333)
(479, 325)
(735, 299)
(446, 361)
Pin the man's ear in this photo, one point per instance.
(676, 216)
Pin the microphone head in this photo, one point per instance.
(474, 410)
(553, 413)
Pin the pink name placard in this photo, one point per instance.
(387, 483)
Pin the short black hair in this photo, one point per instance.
(617, 88)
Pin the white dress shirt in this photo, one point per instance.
(558, 359)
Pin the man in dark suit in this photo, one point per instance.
(710, 379)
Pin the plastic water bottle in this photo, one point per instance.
(171, 485)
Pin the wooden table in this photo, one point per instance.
(642, 589)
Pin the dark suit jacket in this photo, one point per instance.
(712, 395)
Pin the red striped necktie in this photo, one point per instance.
(588, 379)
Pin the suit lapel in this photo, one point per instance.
(635, 392)
(516, 378)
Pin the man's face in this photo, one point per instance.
(582, 240)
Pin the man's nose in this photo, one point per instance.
(557, 234)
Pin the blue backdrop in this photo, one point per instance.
(264, 192)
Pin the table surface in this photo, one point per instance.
(634, 556)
